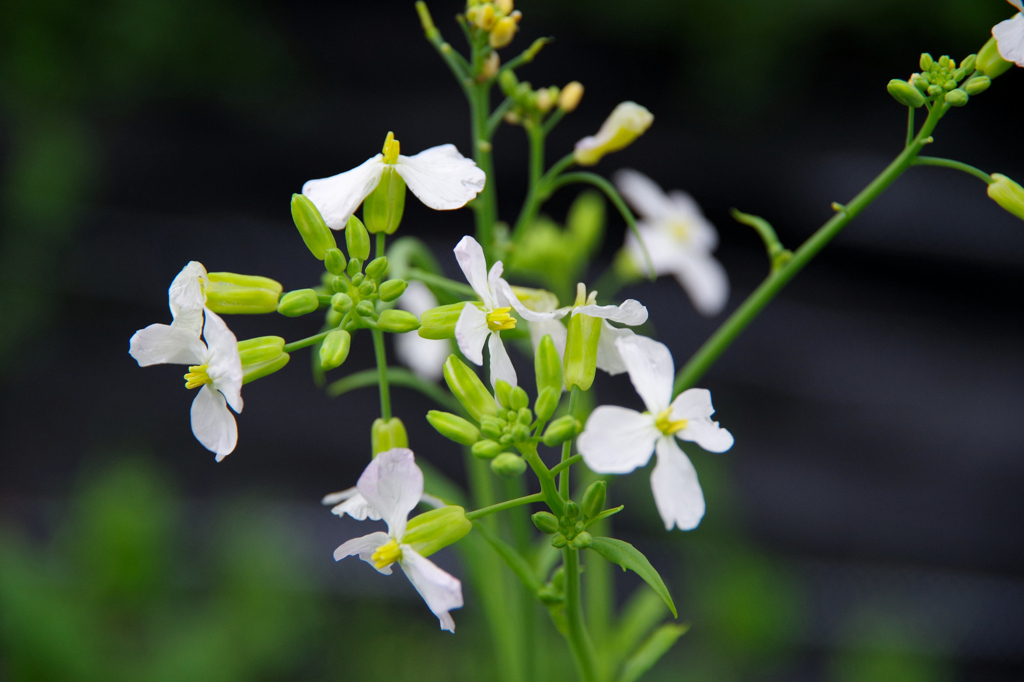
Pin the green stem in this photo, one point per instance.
(433, 280)
(547, 481)
(534, 192)
(955, 165)
(486, 203)
(501, 506)
(527, 55)
(582, 649)
(455, 61)
(566, 463)
(494, 120)
(777, 254)
(303, 343)
(563, 475)
(773, 284)
(382, 372)
(910, 125)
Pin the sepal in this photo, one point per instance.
(439, 323)
(314, 231)
(436, 529)
(453, 427)
(387, 435)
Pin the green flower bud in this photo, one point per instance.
(1007, 194)
(298, 302)
(520, 433)
(439, 323)
(905, 93)
(232, 294)
(334, 349)
(572, 510)
(926, 61)
(366, 288)
(261, 356)
(957, 98)
(547, 403)
(436, 529)
(503, 391)
(977, 85)
(508, 82)
(357, 279)
(357, 239)
(920, 82)
(339, 284)
(550, 596)
(335, 261)
(467, 388)
(990, 62)
(383, 209)
(558, 541)
(397, 321)
(508, 465)
(968, 63)
(594, 499)
(935, 90)
(546, 522)
(548, 368)
(366, 309)
(493, 427)
(377, 267)
(487, 449)
(355, 267)
(524, 416)
(312, 228)
(387, 435)
(580, 362)
(341, 302)
(561, 430)
(453, 427)
(392, 289)
(582, 541)
(519, 399)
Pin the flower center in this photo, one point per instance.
(667, 426)
(680, 230)
(498, 320)
(197, 376)
(386, 554)
(391, 149)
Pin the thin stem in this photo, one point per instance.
(486, 203)
(910, 125)
(382, 371)
(308, 341)
(777, 254)
(553, 120)
(494, 120)
(535, 191)
(501, 506)
(773, 284)
(955, 165)
(544, 477)
(455, 61)
(563, 475)
(527, 55)
(431, 279)
(565, 464)
(579, 641)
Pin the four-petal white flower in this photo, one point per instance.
(679, 240)
(1009, 36)
(392, 485)
(483, 322)
(617, 440)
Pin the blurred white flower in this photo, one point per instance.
(1009, 36)
(617, 440)
(424, 356)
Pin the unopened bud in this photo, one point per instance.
(508, 465)
(311, 226)
(487, 449)
(358, 240)
(503, 32)
(561, 430)
(546, 100)
(503, 391)
(439, 323)
(504, 6)
(905, 93)
(548, 367)
(366, 309)
(508, 82)
(547, 403)
(334, 349)
(594, 499)
(582, 540)
(572, 510)
(570, 96)
(627, 122)
(558, 541)
(355, 270)
(490, 67)
(453, 427)
(377, 267)
(298, 302)
(977, 85)
(990, 62)
(957, 98)
(467, 388)
(436, 529)
(341, 302)
(1007, 194)
(392, 289)
(387, 435)
(545, 522)
(397, 321)
(926, 61)
(335, 261)
(968, 63)
(518, 399)
(228, 293)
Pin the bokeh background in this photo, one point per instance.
(867, 525)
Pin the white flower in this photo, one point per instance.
(187, 297)
(392, 485)
(425, 356)
(351, 502)
(483, 322)
(1009, 36)
(617, 440)
(679, 240)
(440, 177)
(215, 368)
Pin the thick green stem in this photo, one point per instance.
(579, 641)
(755, 303)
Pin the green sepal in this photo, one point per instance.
(508, 465)
(467, 388)
(453, 427)
(957, 98)
(397, 321)
(357, 239)
(376, 268)
(439, 323)
(594, 499)
(229, 293)
(436, 529)
(990, 62)
(335, 261)
(260, 349)
(383, 209)
(298, 302)
(256, 371)
(334, 348)
(387, 435)
(580, 362)
(311, 226)
(561, 430)
(629, 557)
(392, 289)
(1007, 194)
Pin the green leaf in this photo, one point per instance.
(513, 559)
(628, 556)
(653, 649)
(640, 615)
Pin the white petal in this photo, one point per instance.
(364, 548)
(340, 496)
(338, 196)
(701, 233)
(643, 194)
(393, 485)
(432, 501)
(425, 357)
(471, 333)
(694, 405)
(441, 591)
(676, 489)
(704, 280)
(225, 365)
(1009, 37)
(355, 506)
(470, 256)
(507, 297)
(556, 330)
(212, 422)
(631, 312)
(187, 299)
(1017, 3)
(160, 344)
(417, 298)
(441, 177)
(501, 364)
(650, 368)
(608, 357)
(617, 440)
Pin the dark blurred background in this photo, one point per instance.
(867, 525)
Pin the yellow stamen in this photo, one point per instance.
(667, 426)
(391, 149)
(498, 320)
(197, 376)
(386, 554)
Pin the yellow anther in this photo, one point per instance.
(386, 554)
(667, 426)
(498, 320)
(391, 149)
(197, 376)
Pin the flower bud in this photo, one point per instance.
(545, 522)
(504, 6)
(387, 435)
(335, 261)
(261, 356)
(493, 427)
(397, 321)
(436, 529)
(905, 93)
(355, 269)
(453, 427)
(487, 449)
(367, 309)
(508, 82)
(570, 97)
(990, 62)
(546, 99)
(572, 510)
(582, 540)
(490, 67)
(519, 399)
(580, 361)
(1007, 194)
(594, 499)
(503, 391)
(341, 302)
(977, 85)
(504, 31)
(311, 225)
(561, 430)
(508, 465)
(232, 294)
(957, 98)
(627, 122)
(298, 302)
(467, 388)
(383, 209)
(358, 240)
(547, 403)
(439, 323)
(920, 82)
(392, 289)
(376, 268)
(926, 61)
(548, 368)
(334, 349)
(520, 433)
(558, 541)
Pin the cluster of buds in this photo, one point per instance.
(570, 529)
(534, 105)
(498, 19)
(941, 80)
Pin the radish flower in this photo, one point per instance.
(1009, 36)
